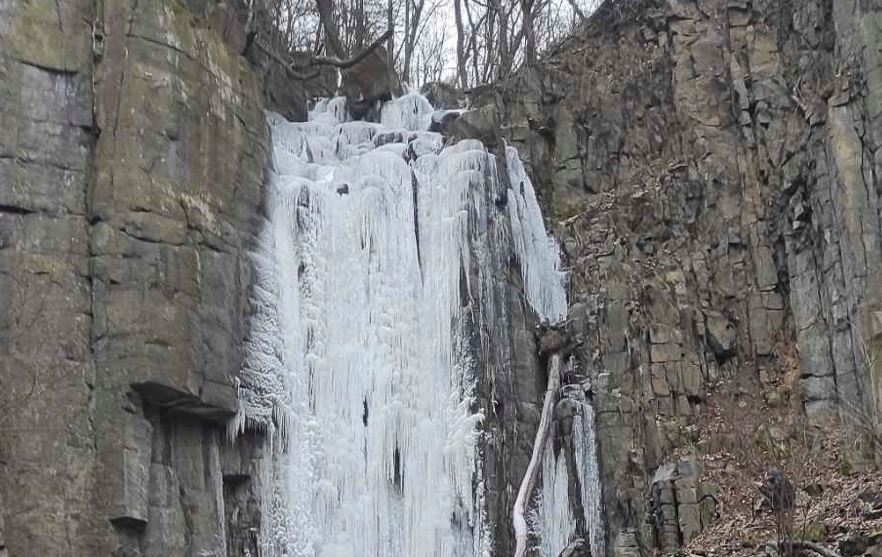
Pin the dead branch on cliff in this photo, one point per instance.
(531, 477)
(297, 71)
(289, 66)
(348, 62)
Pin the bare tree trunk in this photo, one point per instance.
(390, 26)
(332, 35)
(346, 63)
(473, 39)
(492, 58)
(528, 32)
(360, 27)
(505, 58)
(519, 520)
(577, 11)
(319, 35)
(460, 46)
(405, 74)
(500, 14)
(412, 16)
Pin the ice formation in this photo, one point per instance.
(554, 520)
(358, 362)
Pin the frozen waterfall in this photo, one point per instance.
(358, 363)
(553, 518)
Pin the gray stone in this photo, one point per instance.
(481, 123)
(671, 352)
(721, 334)
(689, 520)
(853, 545)
(818, 388)
(707, 504)
(626, 545)
(443, 95)
(133, 473)
(123, 265)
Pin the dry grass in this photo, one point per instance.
(743, 434)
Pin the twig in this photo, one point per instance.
(805, 514)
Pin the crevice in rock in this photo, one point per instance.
(15, 210)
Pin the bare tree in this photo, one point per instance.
(429, 61)
(527, 30)
(461, 75)
(332, 34)
(390, 25)
(413, 10)
(493, 37)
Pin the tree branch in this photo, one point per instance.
(576, 9)
(332, 38)
(528, 484)
(349, 62)
(289, 66)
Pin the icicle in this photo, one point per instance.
(555, 523)
(537, 251)
(411, 112)
(585, 440)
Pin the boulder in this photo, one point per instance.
(372, 79)
(482, 124)
(853, 545)
(443, 95)
(721, 334)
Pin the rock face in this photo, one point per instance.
(131, 175)
(681, 506)
(711, 164)
(131, 187)
(713, 172)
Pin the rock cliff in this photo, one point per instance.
(709, 166)
(131, 174)
(712, 169)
